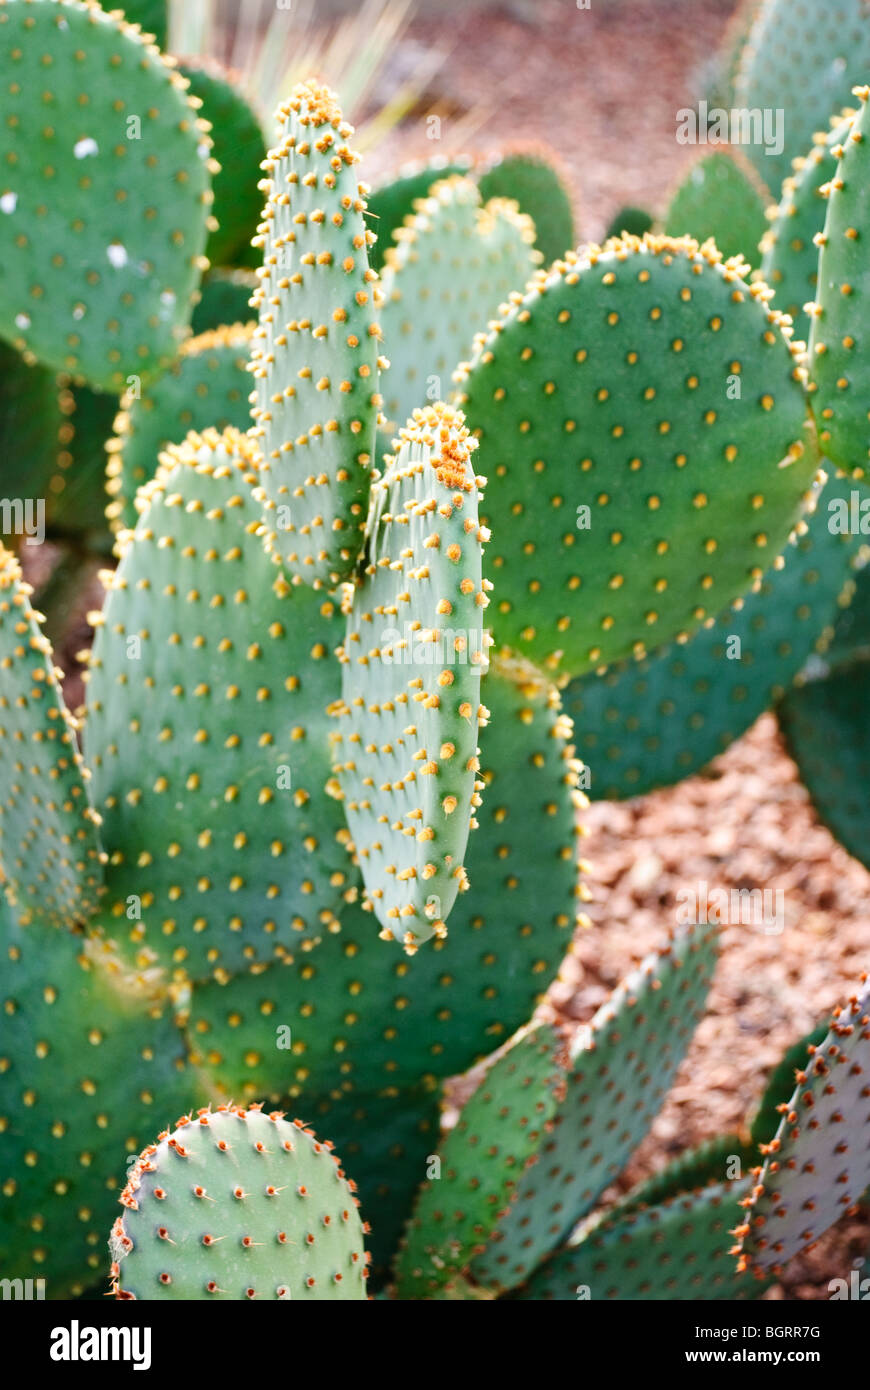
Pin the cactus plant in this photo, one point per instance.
(722, 197)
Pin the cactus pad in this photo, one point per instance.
(239, 1204)
(648, 724)
(406, 754)
(222, 847)
(315, 359)
(225, 297)
(840, 375)
(392, 202)
(49, 846)
(453, 264)
(529, 174)
(107, 167)
(722, 197)
(818, 1164)
(497, 1135)
(206, 386)
(641, 415)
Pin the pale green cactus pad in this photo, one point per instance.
(391, 202)
(105, 193)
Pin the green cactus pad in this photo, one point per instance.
(454, 264)
(315, 360)
(86, 1073)
(406, 752)
(530, 175)
(77, 496)
(623, 1065)
(392, 202)
(790, 260)
(781, 1084)
(721, 197)
(722, 71)
(151, 16)
(498, 1134)
(206, 386)
(225, 299)
(634, 492)
(647, 724)
(840, 375)
(30, 426)
(825, 728)
(799, 64)
(105, 193)
(818, 1164)
(214, 816)
(239, 148)
(709, 1163)
(238, 1204)
(362, 1017)
(851, 640)
(674, 1252)
(49, 847)
(630, 221)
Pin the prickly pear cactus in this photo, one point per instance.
(406, 760)
(104, 199)
(235, 1203)
(315, 359)
(722, 197)
(530, 175)
(390, 203)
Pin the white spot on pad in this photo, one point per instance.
(203, 149)
(22, 320)
(82, 148)
(8, 202)
(117, 254)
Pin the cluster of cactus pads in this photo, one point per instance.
(425, 493)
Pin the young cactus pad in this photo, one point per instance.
(529, 175)
(49, 847)
(223, 849)
(818, 1164)
(722, 197)
(235, 1203)
(315, 360)
(406, 751)
(641, 414)
(840, 375)
(104, 201)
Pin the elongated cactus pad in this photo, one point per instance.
(825, 728)
(223, 849)
(415, 649)
(641, 415)
(30, 426)
(206, 387)
(818, 1164)
(622, 1067)
(722, 1158)
(530, 174)
(840, 374)
(104, 195)
(352, 1017)
(454, 263)
(790, 261)
(239, 148)
(49, 846)
(390, 203)
(722, 197)
(642, 725)
(673, 1252)
(225, 297)
(315, 359)
(77, 492)
(799, 64)
(238, 1204)
(497, 1135)
(87, 1074)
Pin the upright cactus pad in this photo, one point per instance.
(722, 197)
(790, 260)
(223, 849)
(454, 263)
(642, 725)
(415, 649)
(86, 1075)
(315, 362)
(818, 1164)
(390, 203)
(676, 1251)
(77, 492)
(529, 174)
(31, 422)
(49, 846)
(225, 297)
(104, 196)
(206, 387)
(641, 414)
(238, 1204)
(482, 1160)
(799, 64)
(840, 373)
(622, 1067)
